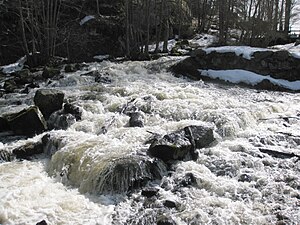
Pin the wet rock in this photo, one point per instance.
(268, 85)
(127, 174)
(48, 101)
(20, 125)
(245, 178)
(188, 180)
(43, 222)
(164, 220)
(4, 125)
(149, 192)
(136, 119)
(27, 150)
(24, 77)
(104, 79)
(182, 143)
(10, 86)
(70, 68)
(174, 146)
(50, 72)
(60, 120)
(170, 204)
(73, 110)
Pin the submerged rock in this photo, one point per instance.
(126, 174)
(182, 143)
(136, 119)
(164, 220)
(149, 192)
(48, 101)
(73, 109)
(27, 122)
(50, 72)
(27, 150)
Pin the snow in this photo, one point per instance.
(244, 51)
(14, 67)
(239, 76)
(294, 50)
(171, 44)
(86, 19)
(202, 40)
(101, 57)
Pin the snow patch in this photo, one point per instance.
(86, 19)
(244, 51)
(101, 57)
(202, 40)
(14, 67)
(294, 50)
(238, 76)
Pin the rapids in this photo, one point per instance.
(236, 183)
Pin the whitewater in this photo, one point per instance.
(235, 182)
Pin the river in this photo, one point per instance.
(236, 183)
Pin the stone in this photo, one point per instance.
(261, 55)
(136, 119)
(49, 72)
(4, 125)
(281, 55)
(70, 68)
(27, 150)
(173, 146)
(73, 110)
(181, 144)
(24, 77)
(170, 204)
(245, 178)
(48, 101)
(188, 180)
(20, 125)
(149, 192)
(164, 220)
(268, 85)
(126, 174)
(10, 86)
(43, 222)
(104, 79)
(60, 121)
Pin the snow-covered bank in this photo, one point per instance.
(247, 77)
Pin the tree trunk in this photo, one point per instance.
(287, 17)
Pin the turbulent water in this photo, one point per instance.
(236, 183)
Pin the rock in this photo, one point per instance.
(50, 72)
(60, 120)
(43, 222)
(24, 77)
(136, 119)
(245, 178)
(149, 192)
(28, 150)
(261, 55)
(4, 125)
(187, 180)
(182, 143)
(170, 204)
(127, 174)
(10, 86)
(268, 85)
(174, 146)
(20, 125)
(99, 78)
(281, 55)
(164, 220)
(48, 101)
(297, 42)
(70, 68)
(73, 110)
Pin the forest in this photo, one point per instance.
(79, 30)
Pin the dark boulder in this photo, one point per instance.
(24, 77)
(164, 220)
(70, 68)
(104, 79)
(136, 119)
(27, 122)
(27, 150)
(182, 143)
(49, 72)
(174, 146)
(4, 125)
(170, 204)
(73, 110)
(268, 85)
(43, 222)
(48, 101)
(188, 180)
(10, 86)
(126, 174)
(149, 192)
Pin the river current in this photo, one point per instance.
(236, 183)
